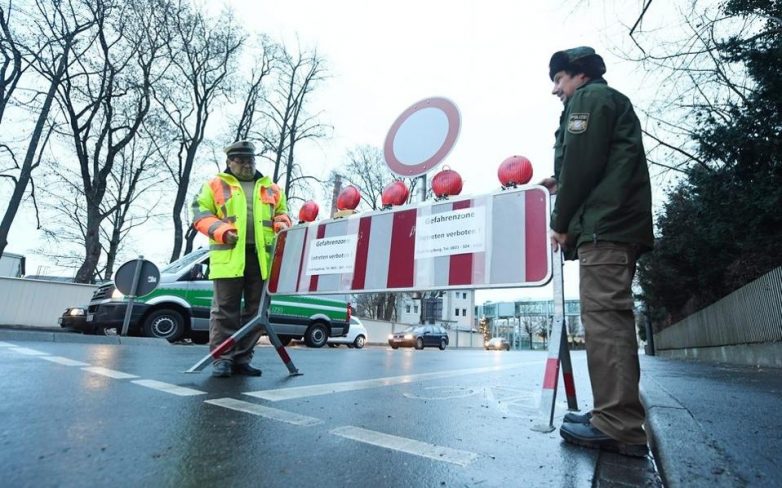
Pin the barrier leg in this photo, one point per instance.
(261, 320)
(557, 353)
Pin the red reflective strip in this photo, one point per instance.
(274, 279)
(226, 345)
(401, 262)
(300, 271)
(570, 387)
(550, 377)
(283, 355)
(314, 278)
(362, 251)
(536, 240)
(460, 269)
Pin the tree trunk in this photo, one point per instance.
(86, 272)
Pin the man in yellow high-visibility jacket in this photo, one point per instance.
(240, 210)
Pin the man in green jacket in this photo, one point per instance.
(602, 217)
(240, 210)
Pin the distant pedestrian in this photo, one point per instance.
(603, 218)
(240, 210)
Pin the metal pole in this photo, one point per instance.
(132, 295)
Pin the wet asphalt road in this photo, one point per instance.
(371, 417)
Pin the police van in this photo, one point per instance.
(179, 308)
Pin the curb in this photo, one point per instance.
(685, 455)
(62, 336)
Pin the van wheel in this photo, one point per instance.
(419, 343)
(359, 342)
(317, 335)
(443, 343)
(165, 324)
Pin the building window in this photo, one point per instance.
(464, 295)
(415, 309)
(407, 309)
(457, 312)
(464, 312)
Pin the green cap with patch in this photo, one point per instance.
(582, 59)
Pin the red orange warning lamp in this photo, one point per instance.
(347, 201)
(395, 193)
(308, 212)
(446, 183)
(514, 171)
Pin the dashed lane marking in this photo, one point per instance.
(119, 375)
(28, 352)
(267, 412)
(314, 390)
(409, 446)
(64, 361)
(169, 388)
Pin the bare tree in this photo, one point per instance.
(49, 54)
(105, 98)
(265, 53)
(202, 52)
(11, 69)
(288, 122)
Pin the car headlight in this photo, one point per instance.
(75, 312)
(390, 336)
(408, 336)
(117, 294)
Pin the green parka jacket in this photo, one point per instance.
(603, 189)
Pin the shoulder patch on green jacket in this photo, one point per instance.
(577, 123)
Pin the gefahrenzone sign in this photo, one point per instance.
(332, 256)
(455, 232)
(499, 240)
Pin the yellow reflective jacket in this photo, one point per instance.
(221, 206)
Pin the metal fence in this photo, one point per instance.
(750, 315)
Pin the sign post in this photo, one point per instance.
(135, 279)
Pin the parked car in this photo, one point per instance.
(357, 335)
(420, 337)
(179, 308)
(497, 344)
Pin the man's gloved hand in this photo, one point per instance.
(230, 237)
(281, 222)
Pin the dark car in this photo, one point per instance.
(420, 337)
(497, 344)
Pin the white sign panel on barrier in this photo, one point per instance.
(455, 232)
(332, 255)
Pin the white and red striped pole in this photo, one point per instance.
(261, 320)
(558, 352)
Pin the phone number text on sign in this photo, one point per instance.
(456, 232)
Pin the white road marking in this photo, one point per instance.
(64, 361)
(169, 388)
(403, 444)
(262, 411)
(6, 344)
(110, 373)
(314, 390)
(29, 352)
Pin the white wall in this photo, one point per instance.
(39, 303)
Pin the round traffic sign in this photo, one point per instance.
(422, 136)
(148, 277)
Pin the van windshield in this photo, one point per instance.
(182, 263)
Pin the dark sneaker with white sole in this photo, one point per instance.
(587, 435)
(577, 418)
(221, 369)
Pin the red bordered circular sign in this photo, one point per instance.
(422, 136)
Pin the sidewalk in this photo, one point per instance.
(713, 424)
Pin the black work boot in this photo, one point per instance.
(577, 418)
(587, 435)
(221, 369)
(246, 370)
